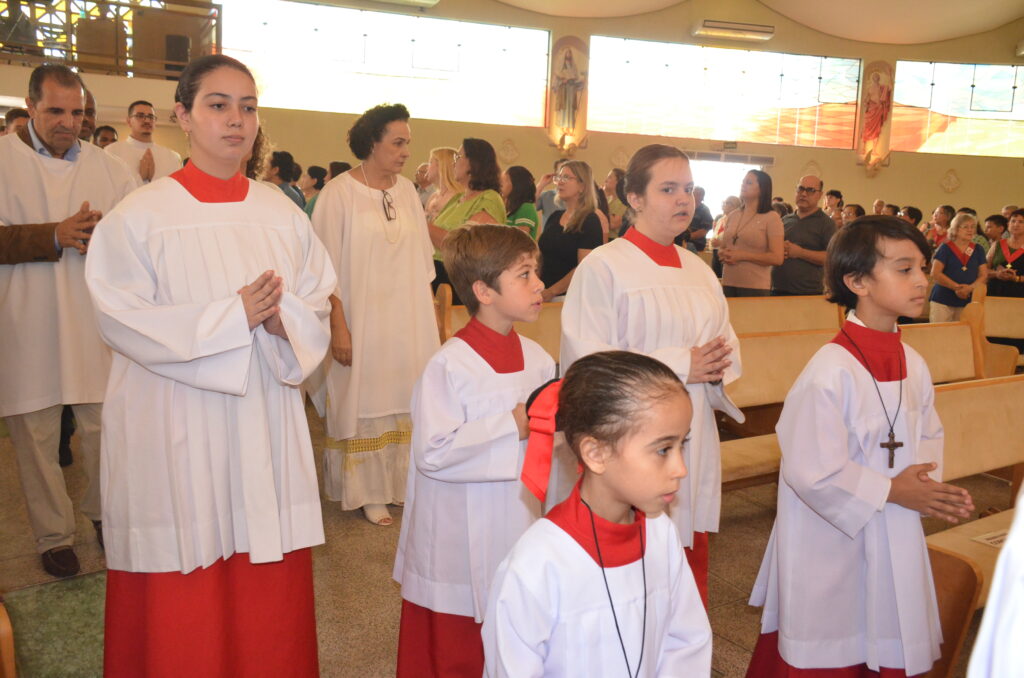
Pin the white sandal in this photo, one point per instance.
(377, 514)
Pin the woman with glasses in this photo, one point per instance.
(476, 168)
(572, 232)
(752, 241)
(383, 328)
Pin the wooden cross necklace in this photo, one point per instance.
(892, 443)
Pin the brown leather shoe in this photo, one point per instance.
(61, 561)
(98, 526)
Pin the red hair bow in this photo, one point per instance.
(537, 465)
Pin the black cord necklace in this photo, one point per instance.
(643, 569)
(892, 444)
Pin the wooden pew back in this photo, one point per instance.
(1004, 317)
(782, 314)
(949, 349)
(973, 413)
(771, 363)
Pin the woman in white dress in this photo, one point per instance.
(383, 328)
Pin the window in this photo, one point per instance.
(328, 58)
(690, 91)
(967, 109)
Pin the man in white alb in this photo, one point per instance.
(51, 353)
(146, 160)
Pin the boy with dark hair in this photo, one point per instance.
(861, 455)
(995, 228)
(465, 505)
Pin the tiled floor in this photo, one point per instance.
(358, 603)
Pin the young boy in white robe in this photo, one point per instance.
(465, 506)
(600, 586)
(846, 583)
(645, 294)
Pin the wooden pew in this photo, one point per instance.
(971, 412)
(1004, 317)
(546, 330)
(783, 314)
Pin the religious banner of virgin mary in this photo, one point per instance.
(567, 96)
(875, 114)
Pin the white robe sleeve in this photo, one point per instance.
(590, 322)
(687, 645)
(932, 433)
(447, 447)
(816, 462)
(305, 313)
(516, 630)
(998, 652)
(206, 346)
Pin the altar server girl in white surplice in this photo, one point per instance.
(846, 583)
(213, 292)
(383, 328)
(643, 293)
(600, 587)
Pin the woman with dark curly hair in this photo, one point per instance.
(518, 189)
(383, 329)
(476, 168)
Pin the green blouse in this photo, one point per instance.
(526, 215)
(457, 212)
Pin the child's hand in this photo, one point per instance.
(708, 362)
(913, 489)
(522, 420)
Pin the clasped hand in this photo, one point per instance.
(76, 230)
(709, 362)
(915, 490)
(260, 300)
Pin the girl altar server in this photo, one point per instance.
(846, 583)
(213, 292)
(642, 293)
(600, 587)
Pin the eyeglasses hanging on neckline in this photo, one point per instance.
(389, 207)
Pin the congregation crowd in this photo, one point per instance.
(179, 313)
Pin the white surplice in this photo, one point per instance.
(619, 299)
(548, 613)
(50, 351)
(846, 577)
(384, 273)
(206, 449)
(165, 161)
(999, 650)
(465, 505)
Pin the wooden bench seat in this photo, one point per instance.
(1004, 317)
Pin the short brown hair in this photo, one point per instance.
(482, 252)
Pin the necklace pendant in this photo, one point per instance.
(964, 268)
(734, 239)
(892, 445)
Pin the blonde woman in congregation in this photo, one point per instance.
(571, 233)
(441, 173)
(476, 169)
(383, 328)
(752, 241)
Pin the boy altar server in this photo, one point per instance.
(465, 506)
(846, 583)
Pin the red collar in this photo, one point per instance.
(207, 188)
(883, 350)
(503, 352)
(620, 544)
(662, 255)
